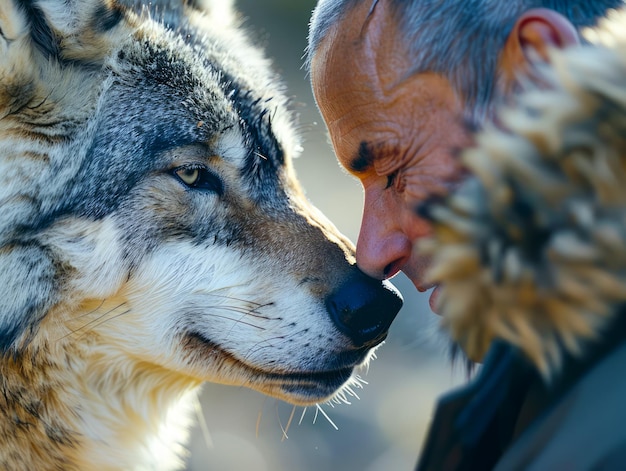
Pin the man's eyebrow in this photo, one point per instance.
(364, 158)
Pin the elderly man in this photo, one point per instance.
(400, 85)
(397, 83)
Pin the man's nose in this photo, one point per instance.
(382, 248)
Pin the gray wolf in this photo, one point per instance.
(530, 254)
(153, 235)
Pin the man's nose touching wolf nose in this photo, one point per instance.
(363, 308)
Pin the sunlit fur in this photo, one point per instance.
(532, 250)
(121, 288)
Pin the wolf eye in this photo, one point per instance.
(199, 178)
(189, 176)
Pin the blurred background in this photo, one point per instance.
(385, 428)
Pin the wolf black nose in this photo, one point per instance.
(363, 309)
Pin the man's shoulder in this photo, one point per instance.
(584, 430)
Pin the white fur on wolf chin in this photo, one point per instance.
(146, 429)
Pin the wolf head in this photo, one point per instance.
(150, 209)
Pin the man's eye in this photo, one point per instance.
(391, 178)
(199, 178)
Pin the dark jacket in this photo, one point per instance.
(508, 419)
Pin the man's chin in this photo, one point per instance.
(432, 300)
(434, 293)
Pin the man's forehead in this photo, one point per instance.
(358, 73)
(367, 33)
(359, 58)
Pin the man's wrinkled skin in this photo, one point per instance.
(395, 131)
(398, 131)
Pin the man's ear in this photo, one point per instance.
(535, 32)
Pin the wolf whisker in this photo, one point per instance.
(251, 312)
(258, 420)
(202, 424)
(258, 423)
(103, 321)
(338, 398)
(358, 381)
(320, 410)
(260, 345)
(280, 422)
(88, 313)
(239, 321)
(302, 416)
(234, 298)
(286, 428)
(211, 311)
(93, 321)
(351, 392)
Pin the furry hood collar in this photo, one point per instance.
(532, 249)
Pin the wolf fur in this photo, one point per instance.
(531, 250)
(153, 235)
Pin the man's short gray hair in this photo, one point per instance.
(459, 39)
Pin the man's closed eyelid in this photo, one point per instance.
(391, 178)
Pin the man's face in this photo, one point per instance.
(393, 130)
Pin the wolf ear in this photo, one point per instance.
(14, 42)
(58, 30)
(27, 293)
(12, 24)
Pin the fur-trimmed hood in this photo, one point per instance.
(532, 249)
